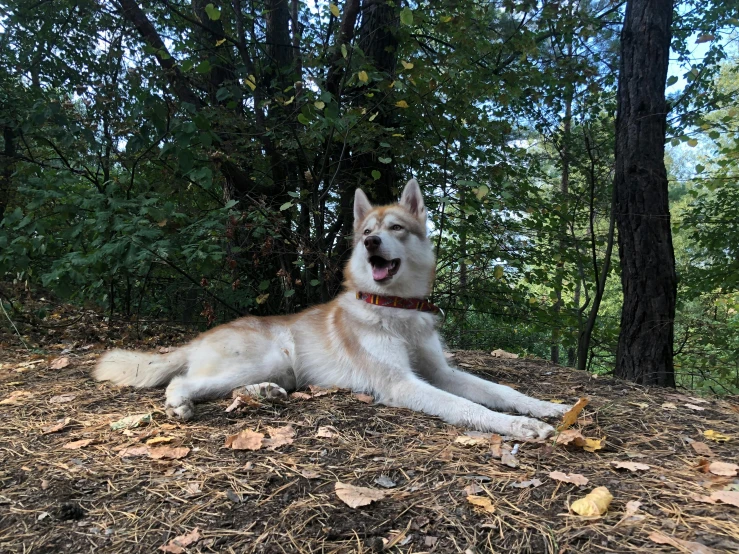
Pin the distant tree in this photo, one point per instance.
(648, 278)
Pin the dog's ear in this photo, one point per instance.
(362, 206)
(412, 200)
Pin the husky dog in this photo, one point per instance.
(366, 339)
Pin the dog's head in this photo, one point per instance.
(392, 254)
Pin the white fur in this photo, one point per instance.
(392, 353)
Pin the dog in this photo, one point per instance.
(377, 336)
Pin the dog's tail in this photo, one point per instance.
(139, 369)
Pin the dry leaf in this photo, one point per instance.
(694, 407)
(631, 466)
(481, 502)
(59, 363)
(62, 398)
(595, 503)
(58, 426)
(503, 354)
(178, 544)
(74, 445)
(472, 439)
(574, 478)
(279, 436)
(317, 391)
(301, 395)
(727, 497)
(131, 422)
(632, 506)
(715, 436)
(134, 451)
(366, 398)
(525, 484)
(508, 459)
(569, 418)
(357, 496)
(245, 440)
(473, 489)
(159, 440)
(690, 546)
(168, 452)
(669, 406)
(327, 432)
(702, 449)
(591, 445)
(17, 397)
(570, 435)
(243, 400)
(723, 468)
(310, 474)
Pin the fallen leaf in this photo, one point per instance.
(496, 446)
(366, 398)
(134, 451)
(130, 422)
(59, 363)
(245, 440)
(193, 488)
(301, 395)
(317, 391)
(715, 436)
(692, 547)
(591, 445)
(631, 466)
(470, 439)
(574, 478)
(570, 436)
(62, 398)
(525, 484)
(243, 400)
(473, 489)
(694, 407)
(702, 449)
(570, 417)
(595, 503)
(508, 459)
(385, 481)
(327, 432)
(168, 452)
(727, 497)
(632, 506)
(503, 354)
(56, 427)
(669, 406)
(17, 397)
(279, 436)
(310, 474)
(723, 468)
(178, 544)
(481, 502)
(74, 445)
(357, 496)
(159, 440)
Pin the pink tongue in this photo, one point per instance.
(380, 273)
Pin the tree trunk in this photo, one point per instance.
(648, 276)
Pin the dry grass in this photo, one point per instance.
(90, 499)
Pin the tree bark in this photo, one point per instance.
(648, 279)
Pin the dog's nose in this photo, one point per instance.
(372, 242)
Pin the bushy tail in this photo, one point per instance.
(139, 369)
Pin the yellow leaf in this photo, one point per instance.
(363, 76)
(373, 116)
(591, 445)
(407, 65)
(715, 436)
(445, 18)
(595, 503)
(334, 10)
(251, 82)
(481, 502)
(318, 104)
(397, 134)
(219, 42)
(571, 416)
(401, 104)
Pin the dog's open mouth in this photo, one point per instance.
(383, 269)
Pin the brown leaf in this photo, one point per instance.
(327, 432)
(473, 439)
(245, 440)
(702, 449)
(503, 354)
(242, 400)
(74, 445)
(595, 503)
(574, 478)
(178, 544)
(727, 497)
(168, 452)
(279, 436)
(301, 395)
(632, 506)
(669, 406)
(366, 398)
(56, 427)
(690, 546)
(723, 468)
(482, 503)
(62, 398)
(571, 416)
(473, 489)
(59, 363)
(159, 440)
(17, 397)
(131, 422)
(134, 451)
(357, 496)
(525, 484)
(694, 407)
(508, 459)
(631, 466)
(570, 436)
(317, 391)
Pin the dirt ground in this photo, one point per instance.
(113, 493)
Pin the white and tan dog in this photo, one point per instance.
(394, 354)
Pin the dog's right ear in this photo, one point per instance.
(362, 206)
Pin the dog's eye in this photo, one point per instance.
(367, 231)
(396, 228)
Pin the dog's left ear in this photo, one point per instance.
(362, 206)
(412, 199)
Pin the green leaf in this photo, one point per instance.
(286, 206)
(334, 9)
(264, 285)
(699, 168)
(406, 16)
(705, 38)
(344, 53)
(376, 174)
(203, 67)
(671, 81)
(304, 120)
(384, 160)
(693, 142)
(315, 282)
(498, 271)
(213, 13)
(289, 293)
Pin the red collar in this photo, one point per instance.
(398, 302)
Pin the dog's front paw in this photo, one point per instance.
(267, 391)
(549, 409)
(528, 428)
(184, 410)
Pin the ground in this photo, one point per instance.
(99, 497)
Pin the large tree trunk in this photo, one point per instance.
(644, 237)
